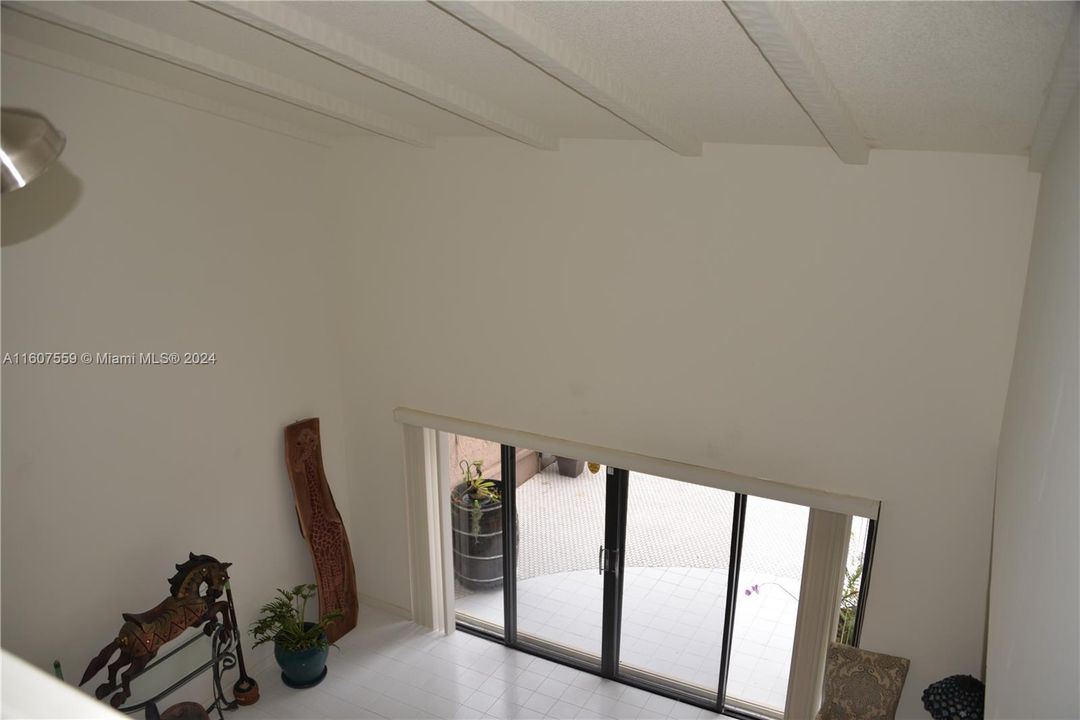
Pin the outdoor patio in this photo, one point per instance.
(678, 540)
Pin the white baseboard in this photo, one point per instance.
(378, 604)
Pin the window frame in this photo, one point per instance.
(425, 437)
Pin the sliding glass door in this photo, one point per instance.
(675, 580)
(677, 588)
(560, 593)
(767, 601)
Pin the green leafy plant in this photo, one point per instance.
(475, 490)
(281, 621)
(849, 604)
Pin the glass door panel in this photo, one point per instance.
(678, 541)
(767, 602)
(476, 528)
(560, 591)
(851, 590)
(627, 574)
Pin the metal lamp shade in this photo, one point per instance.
(29, 143)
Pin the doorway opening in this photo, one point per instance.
(685, 590)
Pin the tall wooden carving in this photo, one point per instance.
(321, 526)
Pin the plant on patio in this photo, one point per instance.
(476, 491)
(849, 604)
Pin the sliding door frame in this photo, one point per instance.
(738, 521)
(426, 481)
(612, 565)
(864, 581)
(508, 461)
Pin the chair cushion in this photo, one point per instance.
(861, 685)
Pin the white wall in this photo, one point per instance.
(1033, 654)
(188, 233)
(765, 310)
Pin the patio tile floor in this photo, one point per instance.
(675, 581)
(678, 535)
(673, 621)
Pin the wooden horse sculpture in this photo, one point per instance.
(143, 634)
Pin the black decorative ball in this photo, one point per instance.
(959, 697)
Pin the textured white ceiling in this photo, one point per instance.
(426, 36)
(931, 76)
(202, 26)
(963, 76)
(85, 48)
(691, 60)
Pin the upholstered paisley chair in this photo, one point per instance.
(861, 685)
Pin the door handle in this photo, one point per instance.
(600, 562)
(608, 561)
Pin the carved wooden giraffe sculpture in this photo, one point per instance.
(320, 524)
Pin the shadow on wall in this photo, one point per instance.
(32, 210)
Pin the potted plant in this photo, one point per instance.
(300, 646)
(476, 520)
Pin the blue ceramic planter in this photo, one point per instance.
(302, 668)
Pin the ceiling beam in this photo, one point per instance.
(773, 27)
(286, 23)
(89, 20)
(34, 52)
(509, 27)
(1059, 95)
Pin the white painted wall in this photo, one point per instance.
(189, 233)
(1033, 653)
(765, 310)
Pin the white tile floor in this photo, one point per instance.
(673, 621)
(677, 546)
(391, 668)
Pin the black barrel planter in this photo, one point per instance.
(478, 543)
(478, 540)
